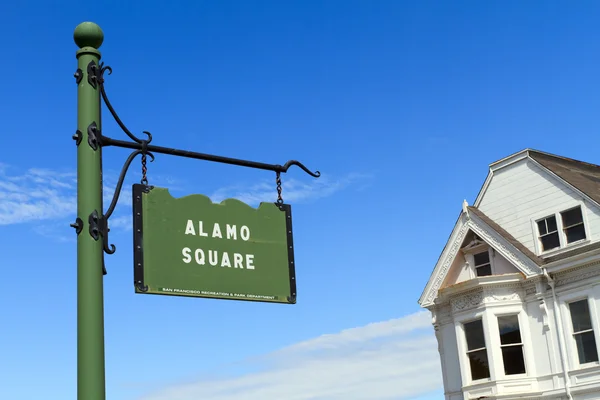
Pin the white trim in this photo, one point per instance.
(504, 247)
(503, 162)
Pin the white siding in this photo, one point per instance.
(523, 191)
(540, 340)
(458, 272)
(502, 266)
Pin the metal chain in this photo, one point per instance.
(278, 181)
(144, 169)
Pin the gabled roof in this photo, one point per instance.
(585, 177)
(472, 219)
(582, 176)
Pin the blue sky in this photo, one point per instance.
(402, 105)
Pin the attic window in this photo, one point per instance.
(483, 267)
(573, 224)
(548, 233)
(561, 228)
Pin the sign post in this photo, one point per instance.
(250, 258)
(90, 307)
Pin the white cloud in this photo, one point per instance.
(37, 194)
(293, 190)
(395, 359)
(48, 195)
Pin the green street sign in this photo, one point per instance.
(190, 246)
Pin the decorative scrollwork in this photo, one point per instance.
(101, 69)
(104, 220)
(143, 147)
(288, 164)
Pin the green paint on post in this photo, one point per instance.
(191, 246)
(90, 308)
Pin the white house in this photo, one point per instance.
(515, 294)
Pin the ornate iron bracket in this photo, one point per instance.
(94, 136)
(142, 146)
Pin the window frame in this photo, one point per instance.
(490, 262)
(573, 354)
(557, 231)
(562, 237)
(469, 255)
(460, 319)
(466, 350)
(522, 333)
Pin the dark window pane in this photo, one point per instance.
(580, 315)
(551, 221)
(575, 233)
(514, 363)
(482, 258)
(480, 368)
(509, 329)
(586, 347)
(542, 227)
(550, 241)
(484, 271)
(572, 217)
(474, 334)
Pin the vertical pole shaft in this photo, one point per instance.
(90, 301)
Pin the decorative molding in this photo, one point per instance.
(467, 301)
(506, 250)
(448, 260)
(495, 294)
(530, 290)
(576, 278)
(526, 265)
(577, 274)
(487, 295)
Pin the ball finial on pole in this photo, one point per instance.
(88, 34)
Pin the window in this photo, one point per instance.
(476, 351)
(567, 229)
(572, 221)
(548, 233)
(482, 264)
(583, 333)
(511, 345)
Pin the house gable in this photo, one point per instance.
(474, 221)
(530, 185)
(474, 259)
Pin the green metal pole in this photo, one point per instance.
(90, 302)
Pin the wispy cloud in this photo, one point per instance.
(293, 190)
(49, 197)
(395, 359)
(36, 194)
